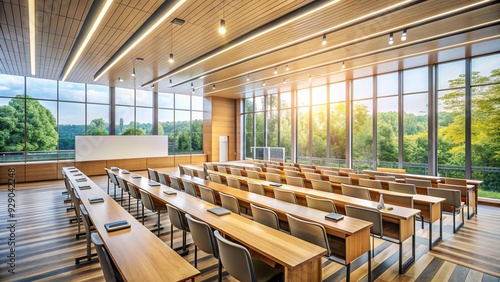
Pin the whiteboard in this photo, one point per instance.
(92, 148)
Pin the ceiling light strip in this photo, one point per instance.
(89, 27)
(32, 31)
(287, 19)
(158, 17)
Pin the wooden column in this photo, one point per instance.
(218, 120)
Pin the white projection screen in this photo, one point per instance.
(91, 148)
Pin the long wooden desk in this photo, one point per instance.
(145, 257)
(301, 260)
(399, 223)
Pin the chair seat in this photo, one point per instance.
(265, 272)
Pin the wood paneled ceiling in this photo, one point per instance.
(261, 35)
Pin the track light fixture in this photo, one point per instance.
(391, 38)
(275, 70)
(152, 86)
(343, 65)
(120, 79)
(310, 79)
(248, 78)
(324, 39)
(403, 36)
(287, 68)
(264, 83)
(222, 23)
(170, 81)
(213, 86)
(284, 81)
(133, 71)
(171, 58)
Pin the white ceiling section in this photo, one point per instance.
(261, 35)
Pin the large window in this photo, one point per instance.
(387, 120)
(338, 145)
(362, 125)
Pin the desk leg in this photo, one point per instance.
(369, 265)
(431, 242)
(404, 266)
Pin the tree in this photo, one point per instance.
(97, 127)
(132, 131)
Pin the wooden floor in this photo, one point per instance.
(46, 248)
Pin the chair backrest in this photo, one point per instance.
(86, 219)
(289, 172)
(235, 258)
(370, 183)
(374, 173)
(235, 171)
(265, 216)
(253, 174)
(358, 175)
(108, 267)
(321, 204)
(221, 168)
(272, 170)
(233, 182)
(385, 178)
(329, 172)
(152, 174)
(356, 192)
(163, 179)
(202, 236)
(181, 170)
(122, 183)
(419, 182)
(339, 179)
(455, 181)
(147, 201)
(452, 196)
(402, 188)
(261, 165)
(321, 168)
(209, 166)
(346, 170)
(312, 175)
(322, 185)
(256, 188)
(273, 177)
(307, 169)
(370, 215)
(215, 178)
(399, 200)
(461, 188)
(133, 191)
(175, 183)
(284, 195)
(295, 181)
(177, 218)
(188, 171)
(309, 231)
(301, 166)
(112, 177)
(257, 169)
(189, 188)
(207, 195)
(229, 202)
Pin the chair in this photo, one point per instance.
(152, 175)
(201, 174)
(76, 203)
(273, 170)
(124, 187)
(301, 166)
(209, 166)
(307, 170)
(370, 183)
(419, 182)
(455, 181)
(398, 200)
(289, 172)
(321, 204)
(453, 200)
(203, 238)
(207, 195)
(177, 219)
(466, 195)
(163, 178)
(340, 179)
(108, 267)
(188, 171)
(238, 263)
(356, 192)
(229, 202)
(272, 177)
(215, 178)
(256, 188)
(265, 216)
(175, 183)
(329, 172)
(312, 175)
(257, 169)
(387, 178)
(374, 173)
(402, 188)
(221, 168)
(189, 188)
(147, 202)
(325, 168)
(112, 179)
(136, 195)
(346, 170)
(322, 185)
(233, 182)
(358, 176)
(295, 181)
(235, 171)
(253, 174)
(88, 230)
(284, 195)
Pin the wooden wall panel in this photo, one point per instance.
(62, 164)
(197, 159)
(223, 123)
(159, 162)
(4, 173)
(41, 171)
(182, 160)
(129, 164)
(207, 128)
(91, 168)
(239, 140)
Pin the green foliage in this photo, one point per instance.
(133, 131)
(98, 127)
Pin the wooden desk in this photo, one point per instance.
(399, 223)
(163, 263)
(301, 260)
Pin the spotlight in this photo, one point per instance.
(133, 72)
(391, 38)
(275, 70)
(248, 78)
(324, 39)
(264, 83)
(310, 79)
(343, 65)
(284, 81)
(403, 36)
(213, 86)
(120, 79)
(170, 81)
(287, 68)
(222, 26)
(171, 58)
